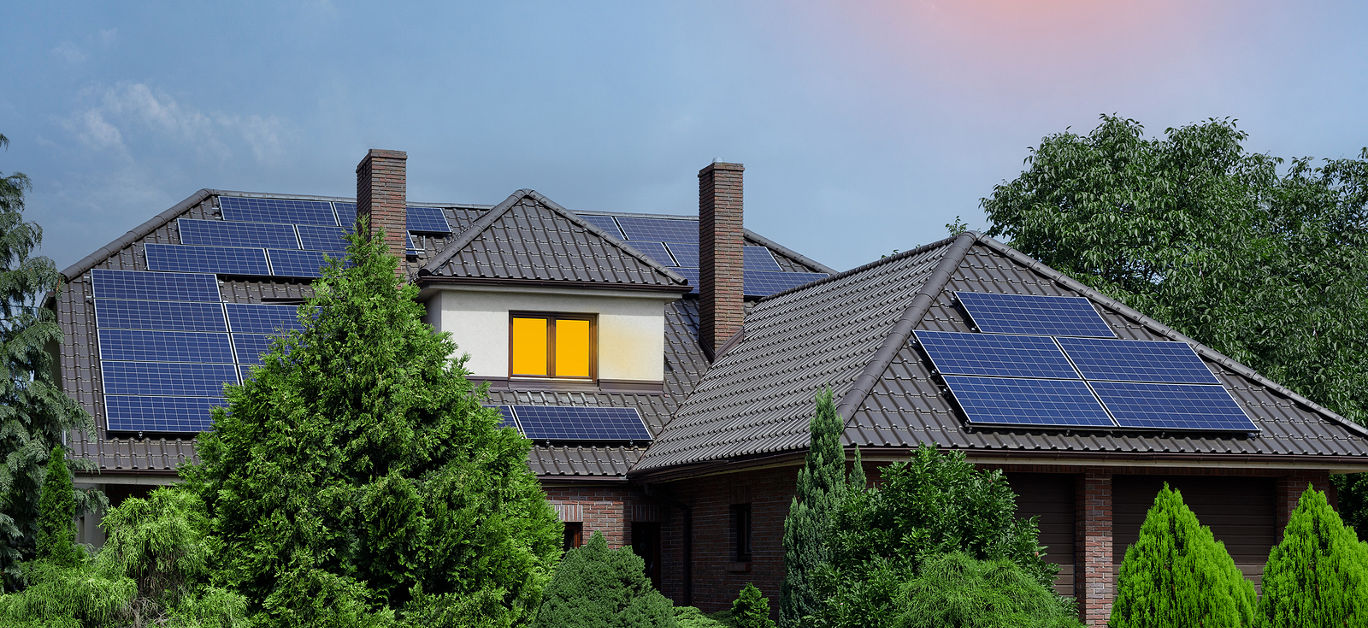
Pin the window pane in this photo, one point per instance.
(529, 346)
(572, 348)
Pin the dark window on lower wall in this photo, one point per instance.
(574, 535)
(741, 532)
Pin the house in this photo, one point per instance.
(665, 368)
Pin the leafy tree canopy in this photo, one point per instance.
(1317, 577)
(598, 587)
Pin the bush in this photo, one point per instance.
(691, 617)
(57, 514)
(599, 587)
(956, 590)
(1318, 575)
(1178, 574)
(751, 609)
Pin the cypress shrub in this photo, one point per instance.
(1318, 575)
(751, 609)
(956, 590)
(57, 514)
(1178, 574)
(597, 587)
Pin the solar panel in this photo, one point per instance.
(691, 274)
(164, 379)
(286, 263)
(426, 220)
(164, 346)
(277, 210)
(250, 347)
(659, 229)
(606, 224)
(223, 233)
(685, 253)
(762, 284)
(955, 353)
(581, 423)
(346, 213)
(1027, 402)
(1137, 361)
(251, 318)
(206, 259)
(245, 372)
(324, 238)
(759, 258)
(150, 286)
(1031, 314)
(126, 413)
(410, 247)
(164, 315)
(1173, 406)
(656, 251)
(507, 420)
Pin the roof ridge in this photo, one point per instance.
(1157, 327)
(105, 252)
(624, 246)
(911, 315)
(858, 269)
(471, 232)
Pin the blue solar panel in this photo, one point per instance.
(250, 318)
(659, 229)
(250, 347)
(759, 258)
(223, 260)
(426, 220)
(606, 224)
(410, 247)
(1027, 402)
(1173, 406)
(346, 213)
(164, 315)
(691, 274)
(656, 251)
(955, 353)
(296, 263)
(1137, 361)
(1030, 314)
(245, 372)
(685, 253)
(323, 238)
(164, 346)
(581, 423)
(159, 414)
(164, 379)
(223, 233)
(277, 210)
(760, 284)
(507, 413)
(149, 286)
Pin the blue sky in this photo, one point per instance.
(864, 127)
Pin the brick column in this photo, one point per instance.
(1095, 575)
(380, 197)
(721, 287)
(1290, 488)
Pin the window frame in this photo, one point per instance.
(742, 537)
(551, 318)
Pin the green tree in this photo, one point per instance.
(751, 608)
(57, 514)
(356, 477)
(1263, 260)
(34, 412)
(1178, 574)
(1318, 575)
(598, 587)
(954, 590)
(821, 487)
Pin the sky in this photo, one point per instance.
(865, 127)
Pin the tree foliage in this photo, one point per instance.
(1317, 577)
(34, 412)
(933, 504)
(751, 608)
(57, 514)
(598, 587)
(355, 478)
(1262, 259)
(1178, 574)
(821, 487)
(955, 591)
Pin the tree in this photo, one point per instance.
(356, 477)
(1178, 574)
(1318, 575)
(57, 514)
(751, 609)
(597, 587)
(34, 412)
(1263, 260)
(956, 590)
(821, 487)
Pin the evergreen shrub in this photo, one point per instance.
(1318, 575)
(751, 609)
(956, 590)
(57, 514)
(598, 587)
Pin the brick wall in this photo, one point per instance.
(1290, 488)
(1093, 573)
(606, 509)
(721, 285)
(380, 196)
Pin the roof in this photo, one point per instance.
(851, 333)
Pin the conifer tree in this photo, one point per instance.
(821, 487)
(1178, 574)
(57, 513)
(1318, 575)
(34, 412)
(598, 587)
(751, 609)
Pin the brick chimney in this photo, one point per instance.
(380, 189)
(720, 284)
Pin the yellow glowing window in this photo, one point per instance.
(551, 345)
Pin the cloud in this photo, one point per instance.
(69, 52)
(95, 131)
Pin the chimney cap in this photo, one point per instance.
(721, 165)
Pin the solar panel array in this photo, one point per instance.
(426, 220)
(1070, 371)
(581, 423)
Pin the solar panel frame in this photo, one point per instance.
(759, 258)
(1179, 407)
(659, 229)
(1004, 355)
(684, 253)
(426, 220)
(142, 413)
(164, 346)
(222, 260)
(330, 239)
(159, 315)
(262, 318)
(194, 231)
(277, 210)
(1137, 361)
(1028, 403)
(581, 423)
(998, 313)
(142, 285)
(164, 379)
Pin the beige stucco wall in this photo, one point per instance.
(631, 326)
